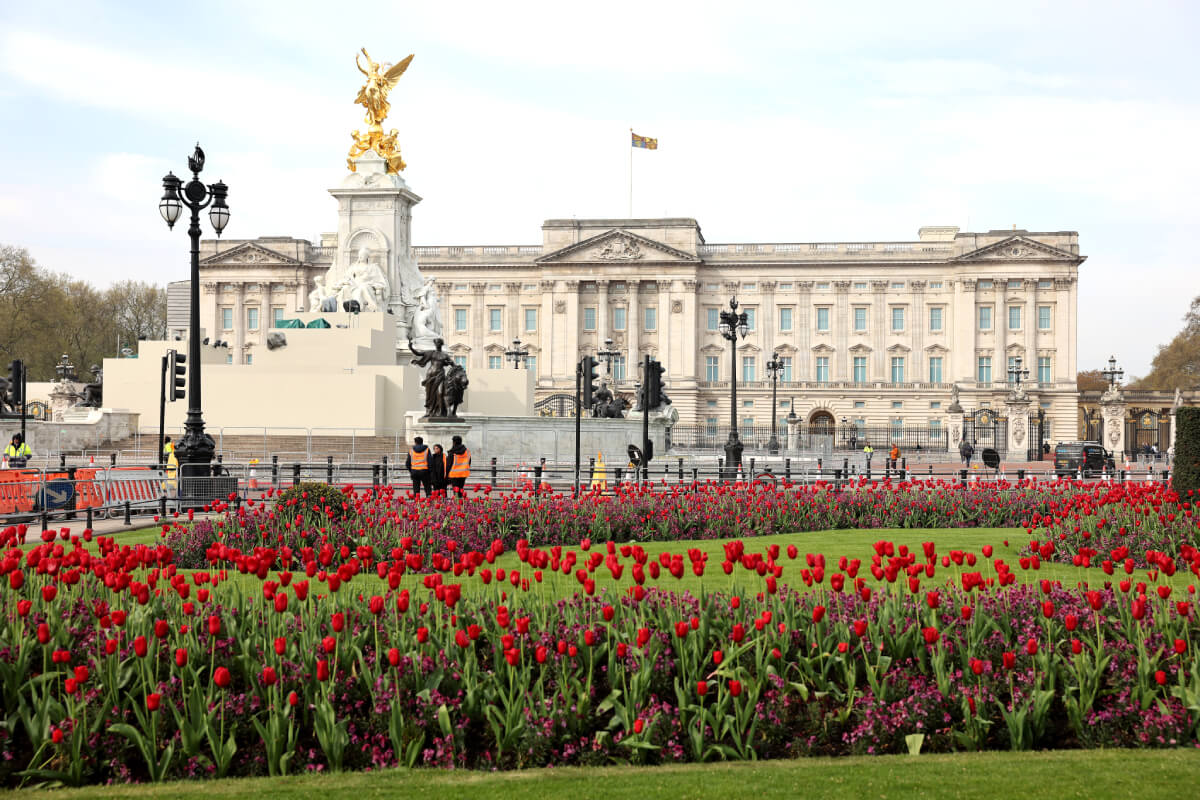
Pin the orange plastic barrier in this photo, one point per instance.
(87, 493)
(18, 489)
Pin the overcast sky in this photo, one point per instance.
(786, 122)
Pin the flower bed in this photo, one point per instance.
(116, 666)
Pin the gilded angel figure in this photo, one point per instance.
(381, 79)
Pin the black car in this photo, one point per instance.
(1089, 457)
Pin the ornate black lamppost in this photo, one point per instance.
(774, 369)
(1113, 374)
(195, 451)
(1016, 374)
(609, 355)
(733, 324)
(65, 369)
(518, 355)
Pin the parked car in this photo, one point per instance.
(1089, 457)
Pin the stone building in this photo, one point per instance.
(872, 335)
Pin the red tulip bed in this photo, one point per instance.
(383, 631)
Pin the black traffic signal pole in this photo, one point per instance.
(162, 407)
(646, 419)
(24, 399)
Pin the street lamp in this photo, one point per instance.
(774, 368)
(733, 324)
(1016, 374)
(195, 450)
(518, 355)
(845, 431)
(65, 369)
(1113, 374)
(609, 355)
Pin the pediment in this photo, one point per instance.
(459, 348)
(1019, 248)
(712, 350)
(616, 247)
(785, 348)
(899, 348)
(822, 348)
(860, 348)
(494, 349)
(249, 254)
(1015, 347)
(749, 348)
(937, 349)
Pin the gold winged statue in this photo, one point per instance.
(381, 79)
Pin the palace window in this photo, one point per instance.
(1045, 284)
(495, 287)
(750, 318)
(712, 319)
(985, 318)
(860, 369)
(822, 284)
(252, 319)
(249, 359)
(935, 429)
(1043, 374)
(461, 361)
(897, 284)
(822, 369)
(531, 319)
(786, 374)
(935, 369)
(494, 319)
(276, 316)
(749, 287)
(935, 404)
(898, 369)
(618, 318)
(897, 404)
(1016, 284)
(712, 368)
(935, 284)
(227, 319)
(985, 284)
(749, 372)
(860, 404)
(651, 319)
(618, 368)
(494, 362)
(860, 285)
(935, 319)
(984, 369)
(589, 318)
(823, 318)
(229, 358)
(860, 318)
(1043, 318)
(460, 319)
(531, 364)
(785, 287)
(897, 429)
(1014, 318)
(785, 319)
(897, 319)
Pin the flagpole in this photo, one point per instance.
(630, 144)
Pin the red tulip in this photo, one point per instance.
(1071, 621)
(181, 657)
(702, 688)
(1076, 646)
(221, 677)
(268, 676)
(280, 645)
(422, 634)
(214, 625)
(322, 669)
(1160, 677)
(48, 592)
(338, 622)
(1010, 660)
(152, 701)
(139, 646)
(1031, 647)
(818, 614)
(735, 688)
(931, 635)
(461, 638)
(281, 602)
(393, 656)
(293, 699)
(638, 726)
(1180, 646)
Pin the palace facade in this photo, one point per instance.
(871, 334)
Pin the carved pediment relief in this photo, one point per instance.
(1015, 349)
(860, 349)
(785, 348)
(936, 350)
(712, 350)
(898, 348)
(494, 349)
(459, 349)
(248, 254)
(822, 348)
(617, 246)
(1019, 248)
(747, 347)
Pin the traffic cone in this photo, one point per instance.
(253, 476)
(92, 460)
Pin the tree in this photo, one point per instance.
(27, 308)
(1091, 381)
(140, 310)
(1177, 363)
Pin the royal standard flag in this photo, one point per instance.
(645, 142)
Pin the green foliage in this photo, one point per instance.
(1186, 468)
(1090, 380)
(43, 315)
(311, 500)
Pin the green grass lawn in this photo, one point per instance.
(1091, 774)
(831, 543)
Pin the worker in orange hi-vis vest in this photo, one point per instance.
(417, 464)
(460, 465)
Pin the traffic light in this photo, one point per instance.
(591, 381)
(16, 382)
(655, 396)
(176, 375)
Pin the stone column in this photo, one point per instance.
(918, 369)
(841, 333)
(802, 368)
(516, 326)
(239, 324)
(879, 329)
(602, 313)
(1016, 408)
(1112, 416)
(767, 320)
(545, 336)
(631, 330)
(664, 328)
(793, 431)
(573, 324)
(478, 326)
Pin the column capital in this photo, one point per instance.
(878, 286)
(478, 288)
(917, 286)
(602, 284)
(664, 286)
(547, 286)
(572, 286)
(768, 286)
(512, 286)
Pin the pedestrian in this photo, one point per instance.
(17, 453)
(168, 448)
(417, 464)
(458, 468)
(437, 470)
(894, 454)
(867, 451)
(966, 451)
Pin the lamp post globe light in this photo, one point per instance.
(1113, 374)
(518, 355)
(774, 369)
(1016, 374)
(195, 450)
(732, 326)
(609, 355)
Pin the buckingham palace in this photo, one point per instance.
(869, 334)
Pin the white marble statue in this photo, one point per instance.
(318, 295)
(365, 282)
(424, 312)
